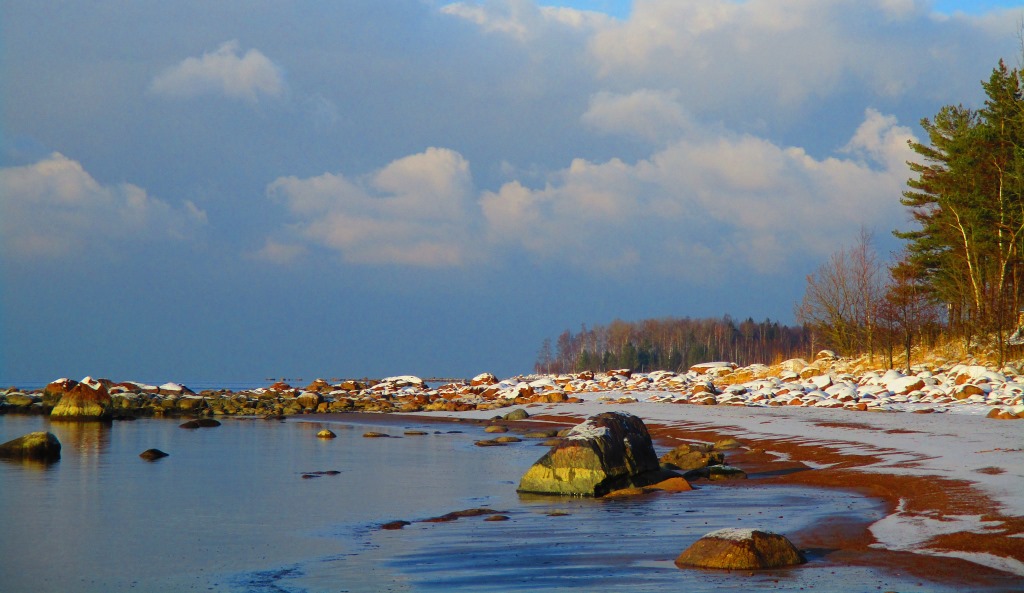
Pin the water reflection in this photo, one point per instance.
(31, 464)
(86, 440)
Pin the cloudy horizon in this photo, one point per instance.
(228, 192)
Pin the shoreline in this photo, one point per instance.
(948, 530)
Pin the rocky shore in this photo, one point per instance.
(827, 382)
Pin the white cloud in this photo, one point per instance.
(223, 71)
(415, 211)
(648, 114)
(524, 19)
(741, 201)
(279, 253)
(54, 208)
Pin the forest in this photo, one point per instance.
(672, 344)
(960, 275)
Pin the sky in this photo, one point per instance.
(234, 191)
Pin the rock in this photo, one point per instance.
(517, 414)
(326, 434)
(489, 443)
(726, 444)
(716, 473)
(687, 457)
(20, 400)
(508, 439)
(38, 446)
(483, 379)
(607, 452)
(416, 433)
(375, 435)
(459, 514)
(152, 454)
(200, 423)
(677, 484)
(741, 549)
(392, 525)
(496, 428)
(309, 399)
(497, 518)
(88, 400)
(319, 386)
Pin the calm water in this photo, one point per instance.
(230, 511)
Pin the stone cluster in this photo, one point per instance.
(828, 382)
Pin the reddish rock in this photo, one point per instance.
(483, 379)
(88, 400)
(966, 390)
(56, 389)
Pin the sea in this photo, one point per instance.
(241, 508)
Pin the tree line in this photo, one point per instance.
(961, 273)
(673, 344)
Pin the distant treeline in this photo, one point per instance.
(671, 344)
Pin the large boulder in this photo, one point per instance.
(607, 452)
(741, 549)
(40, 446)
(88, 400)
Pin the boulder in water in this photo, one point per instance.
(38, 446)
(741, 549)
(610, 451)
(152, 454)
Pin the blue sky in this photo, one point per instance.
(234, 191)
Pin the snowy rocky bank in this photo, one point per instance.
(828, 382)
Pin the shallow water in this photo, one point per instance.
(229, 510)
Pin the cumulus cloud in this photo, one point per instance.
(703, 203)
(645, 113)
(733, 201)
(225, 72)
(54, 208)
(524, 19)
(415, 211)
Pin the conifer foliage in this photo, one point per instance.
(967, 198)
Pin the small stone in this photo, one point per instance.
(395, 525)
(491, 443)
(727, 443)
(152, 454)
(508, 439)
(375, 435)
(416, 433)
(326, 434)
(517, 414)
(497, 518)
(496, 428)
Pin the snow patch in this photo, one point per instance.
(736, 534)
